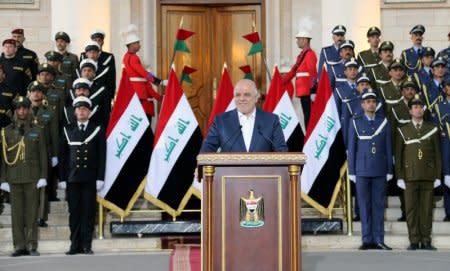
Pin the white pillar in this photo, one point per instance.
(357, 16)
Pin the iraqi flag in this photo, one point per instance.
(324, 147)
(279, 103)
(224, 101)
(178, 139)
(128, 150)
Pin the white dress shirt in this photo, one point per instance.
(84, 123)
(248, 124)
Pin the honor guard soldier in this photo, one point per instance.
(336, 70)
(330, 54)
(140, 79)
(55, 95)
(28, 56)
(390, 90)
(445, 54)
(24, 172)
(70, 61)
(418, 167)
(82, 170)
(425, 74)
(380, 73)
(370, 164)
(82, 87)
(433, 91)
(305, 72)
(6, 98)
(370, 58)
(411, 57)
(443, 114)
(61, 80)
(17, 73)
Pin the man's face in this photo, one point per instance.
(397, 74)
(88, 73)
(245, 97)
(386, 56)
(93, 54)
(416, 111)
(134, 47)
(369, 105)
(346, 53)
(374, 41)
(9, 50)
(302, 42)
(351, 73)
(408, 93)
(447, 91)
(45, 77)
(61, 45)
(99, 40)
(439, 71)
(22, 113)
(417, 39)
(19, 38)
(362, 86)
(338, 38)
(36, 96)
(426, 60)
(82, 113)
(81, 92)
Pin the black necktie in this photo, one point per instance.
(419, 51)
(82, 127)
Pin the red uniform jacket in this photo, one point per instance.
(304, 71)
(141, 81)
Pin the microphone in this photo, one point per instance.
(234, 135)
(272, 145)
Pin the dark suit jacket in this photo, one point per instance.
(225, 134)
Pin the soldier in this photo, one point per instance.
(140, 79)
(330, 54)
(425, 74)
(62, 81)
(83, 154)
(390, 90)
(380, 73)
(370, 58)
(418, 166)
(55, 95)
(433, 91)
(370, 164)
(28, 56)
(70, 61)
(411, 57)
(336, 69)
(6, 98)
(305, 72)
(445, 54)
(443, 116)
(23, 172)
(17, 73)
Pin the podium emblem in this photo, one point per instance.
(251, 211)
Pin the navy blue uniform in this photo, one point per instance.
(443, 112)
(328, 55)
(411, 59)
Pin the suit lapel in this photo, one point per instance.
(239, 141)
(255, 135)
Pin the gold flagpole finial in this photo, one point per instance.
(181, 22)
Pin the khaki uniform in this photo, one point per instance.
(390, 94)
(368, 59)
(418, 163)
(24, 162)
(70, 65)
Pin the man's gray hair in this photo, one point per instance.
(248, 82)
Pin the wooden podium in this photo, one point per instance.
(251, 211)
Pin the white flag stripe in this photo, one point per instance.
(122, 140)
(170, 145)
(317, 148)
(231, 106)
(288, 116)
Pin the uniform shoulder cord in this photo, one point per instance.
(20, 146)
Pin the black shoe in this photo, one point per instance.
(42, 223)
(413, 247)
(34, 252)
(446, 218)
(88, 251)
(365, 246)
(20, 252)
(402, 218)
(381, 246)
(73, 251)
(427, 246)
(357, 218)
(54, 199)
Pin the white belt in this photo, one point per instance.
(138, 79)
(302, 74)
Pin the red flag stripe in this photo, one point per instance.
(274, 93)
(224, 96)
(252, 37)
(188, 70)
(246, 69)
(183, 34)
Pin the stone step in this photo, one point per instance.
(399, 228)
(394, 201)
(50, 233)
(98, 246)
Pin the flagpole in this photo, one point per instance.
(262, 55)
(174, 49)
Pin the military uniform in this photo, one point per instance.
(6, 98)
(445, 54)
(379, 73)
(411, 57)
(368, 58)
(24, 165)
(329, 55)
(16, 74)
(424, 75)
(370, 161)
(418, 163)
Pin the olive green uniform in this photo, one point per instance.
(418, 163)
(368, 59)
(70, 65)
(24, 162)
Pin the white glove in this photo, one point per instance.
(447, 180)
(389, 177)
(99, 184)
(165, 82)
(41, 183)
(313, 97)
(5, 187)
(62, 185)
(352, 178)
(401, 184)
(54, 161)
(437, 183)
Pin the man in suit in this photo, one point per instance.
(246, 128)
(418, 167)
(370, 165)
(82, 170)
(411, 56)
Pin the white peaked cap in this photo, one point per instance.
(130, 34)
(305, 26)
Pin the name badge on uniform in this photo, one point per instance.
(62, 81)
(45, 116)
(18, 68)
(33, 135)
(67, 62)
